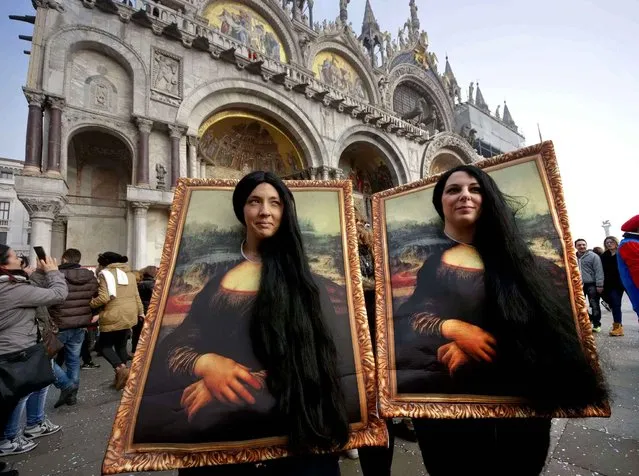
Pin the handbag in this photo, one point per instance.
(24, 371)
(52, 344)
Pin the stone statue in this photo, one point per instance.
(419, 112)
(400, 36)
(497, 113)
(161, 174)
(471, 93)
(343, 10)
(389, 45)
(414, 19)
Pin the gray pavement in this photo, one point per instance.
(584, 447)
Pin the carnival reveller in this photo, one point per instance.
(255, 356)
(487, 317)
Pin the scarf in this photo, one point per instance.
(112, 280)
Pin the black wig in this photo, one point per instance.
(532, 322)
(288, 331)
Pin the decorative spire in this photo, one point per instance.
(479, 100)
(452, 87)
(343, 11)
(371, 33)
(448, 72)
(414, 19)
(507, 118)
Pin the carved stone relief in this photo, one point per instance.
(100, 94)
(166, 77)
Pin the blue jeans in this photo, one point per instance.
(72, 340)
(34, 403)
(614, 299)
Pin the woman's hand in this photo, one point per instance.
(48, 264)
(472, 340)
(224, 378)
(194, 398)
(452, 357)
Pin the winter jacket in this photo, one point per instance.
(122, 311)
(145, 288)
(628, 261)
(19, 300)
(75, 312)
(591, 269)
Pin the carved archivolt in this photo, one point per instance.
(412, 73)
(448, 140)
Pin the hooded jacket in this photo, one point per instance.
(75, 311)
(19, 300)
(122, 311)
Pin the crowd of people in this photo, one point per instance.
(609, 272)
(61, 307)
(69, 311)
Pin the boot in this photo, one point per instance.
(121, 376)
(617, 330)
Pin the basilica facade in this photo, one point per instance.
(126, 97)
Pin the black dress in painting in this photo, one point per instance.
(450, 285)
(219, 322)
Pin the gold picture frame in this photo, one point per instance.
(123, 454)
(395, 404)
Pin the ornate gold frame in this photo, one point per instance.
(468, 406)
(122, 455)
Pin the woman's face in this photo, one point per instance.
(263, 212)
(461, 200)
(13, 261)
(610, 245)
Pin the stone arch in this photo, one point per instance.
(358, 62)
(71, 38)
(99, 172)
(393, 157)
(450, 149)
(411, 73)
(257, 97)
(278, 20)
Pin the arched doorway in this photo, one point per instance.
(235, 142)
(366, 167)
(445, 160)
(99, 170)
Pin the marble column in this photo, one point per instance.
(56, 105)
(33, 149)
(325, 173)
(175, 134)
(41, 213)
(192, 142)
(58, 237)
(144, 131)
(313, 173)
(203, 168)
(140, 210)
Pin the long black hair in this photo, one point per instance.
(288, 331)
(532, 321)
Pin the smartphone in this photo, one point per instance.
(40, 252)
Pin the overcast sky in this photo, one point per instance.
(569, 65)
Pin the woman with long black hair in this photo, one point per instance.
(255, 356)
(487, 317)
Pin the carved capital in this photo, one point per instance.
(144, 125)
(176, 132)
(55, 102)
(41, 207)
(34, 98)
(192, 141)
(140, 208)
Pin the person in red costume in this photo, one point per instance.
(628, 260)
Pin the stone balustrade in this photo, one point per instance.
(225, 47)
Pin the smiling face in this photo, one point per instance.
(582, 246)
(263, 212)
(461, 201)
